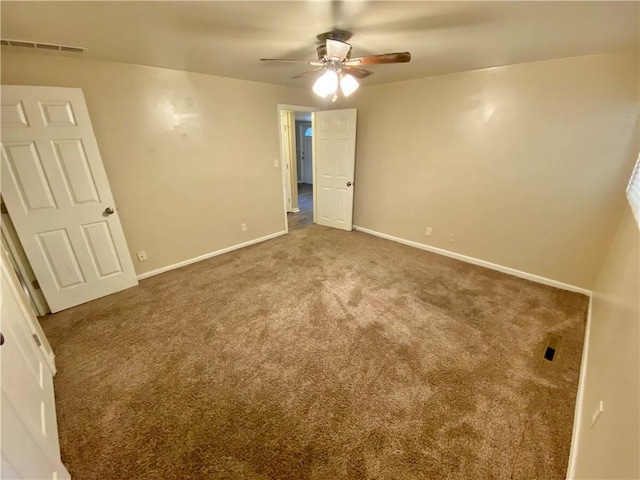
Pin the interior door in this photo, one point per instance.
(306, 154)
(29, 434)
(334, 140)
(57, 193)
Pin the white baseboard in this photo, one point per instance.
(209, 255)
(296, 210)
(577, 416)
(482, 263)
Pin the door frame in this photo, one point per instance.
(287, 178)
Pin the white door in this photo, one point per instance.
(305, 173)
(58, 196)
(29, 434)
(334, 151)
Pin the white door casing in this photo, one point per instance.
(287, 147)
(334, 149)
(299, 133)
(29, 434)
(57, 193)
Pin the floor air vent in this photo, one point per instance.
(551, 345)
(50, 47)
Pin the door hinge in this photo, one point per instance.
(35, 284)
(38, 342)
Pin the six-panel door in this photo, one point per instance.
(58, 196)
(334, 153)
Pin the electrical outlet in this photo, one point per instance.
(597, 413)
(142, 256)
(276, 163)
(452, 237)
(429, 231)
(243, 227)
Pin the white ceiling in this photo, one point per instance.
(228, 38)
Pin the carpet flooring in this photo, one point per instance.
(322, 354)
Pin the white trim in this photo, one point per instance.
(482, 263)
(296, 210)
(209, 255)
(296, 108)
(291, 108)
(314, 173)
(577, 416)
(633, 191)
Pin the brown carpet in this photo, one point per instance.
(320, 355)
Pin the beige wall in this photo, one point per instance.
(610, 449)
(189, 156)
(523, 163)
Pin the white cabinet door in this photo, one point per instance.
(29, 434)
(334, 151)
(58, 196)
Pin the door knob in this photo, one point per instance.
(108, 211)
(348, 184)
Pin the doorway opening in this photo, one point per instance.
(304, 170)
(296, 146)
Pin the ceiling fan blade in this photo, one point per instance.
(337, 50)
(357, 72)
(285, 60)
(399, 57)
(308, 72)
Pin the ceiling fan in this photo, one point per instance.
(334, 59)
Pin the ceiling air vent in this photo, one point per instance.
(50, 47)
(46, 46)
(20, 43)
(72, 49)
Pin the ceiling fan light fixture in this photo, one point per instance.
(326, 84)
(348, 84)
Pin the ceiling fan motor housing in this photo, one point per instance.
(322, 53)
(337, 35)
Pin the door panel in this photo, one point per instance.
(57, 114)
(60, 258)
(73, 163)
(56, 191)
(13, 114)
(327, 208)
(102, 249)
(27, 172)
(334, 153)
